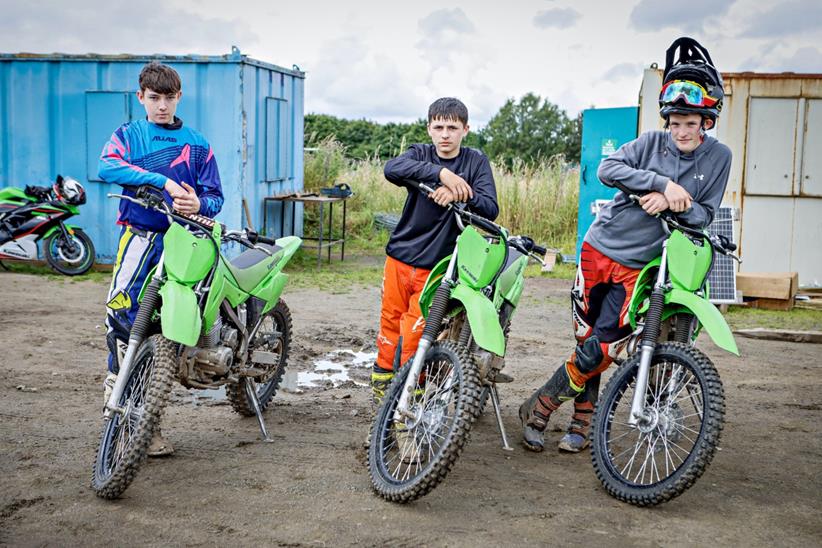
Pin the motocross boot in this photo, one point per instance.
(536, 410)
(159, 446)
(380, 380)
(578, 435)
(108, 386)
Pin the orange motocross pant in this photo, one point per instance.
(400, 316)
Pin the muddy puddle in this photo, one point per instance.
(333, 369)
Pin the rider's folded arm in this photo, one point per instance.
(410, 165)
(622, 167)
(701, 213)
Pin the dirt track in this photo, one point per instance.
(311, 486)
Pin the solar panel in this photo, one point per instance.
(722, 279)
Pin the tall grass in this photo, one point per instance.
(540, 200)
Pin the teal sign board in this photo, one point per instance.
(604, 130)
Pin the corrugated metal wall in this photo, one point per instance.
(57, 111)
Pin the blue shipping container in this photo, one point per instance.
(57, 111)
(604, 130)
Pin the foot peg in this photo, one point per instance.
(502, 378)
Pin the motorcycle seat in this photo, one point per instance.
(251, 257)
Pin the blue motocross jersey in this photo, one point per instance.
(143, 153)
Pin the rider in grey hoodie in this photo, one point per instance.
(681, 170)
(625, 232)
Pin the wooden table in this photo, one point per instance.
(311, 198)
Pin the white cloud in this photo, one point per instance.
(693, 16)
(785, 19)
(622, 71)
(84, 26)
(559, 18)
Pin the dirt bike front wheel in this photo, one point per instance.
(664, 454)
(409, 458)
(127, 435)
(73, 256)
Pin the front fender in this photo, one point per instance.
(179, 314)
(483, 319)
(55, 228)
(708, 315)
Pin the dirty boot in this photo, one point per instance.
(578, 436)
(536, 410)
(108, 386)
(380, 380)
(159, 446)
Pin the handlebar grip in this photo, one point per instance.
(255, 238)
(539, 250)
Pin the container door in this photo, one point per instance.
(769, 169)
(811, 184)
(604, 130)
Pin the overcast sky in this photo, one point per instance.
(386, 61)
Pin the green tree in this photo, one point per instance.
(531, 129)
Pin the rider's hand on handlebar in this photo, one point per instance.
(457, 185)
(185, 198)
(443, 196)
(678, 198)
(653, 203)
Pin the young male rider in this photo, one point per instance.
(682, 170)
(426, 231)
(161, 152)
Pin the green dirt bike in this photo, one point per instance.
(203, 320)
(468, 300)
(657, 424)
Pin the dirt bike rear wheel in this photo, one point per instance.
(654, 462)
(407, 460)
(71, 258)
(274, 335)
(126, 437)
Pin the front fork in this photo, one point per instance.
(151, 298)
(650, 335)
(432, 324)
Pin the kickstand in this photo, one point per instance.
(255, 402)
(492, 391)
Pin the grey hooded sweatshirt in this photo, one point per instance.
(622, 229)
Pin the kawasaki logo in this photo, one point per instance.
(468, 273)
(167, 139)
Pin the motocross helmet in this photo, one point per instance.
(69, 190)
(690, 84)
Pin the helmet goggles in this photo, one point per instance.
(691, 93)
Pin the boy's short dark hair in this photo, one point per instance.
(448, 108)
(160, 78)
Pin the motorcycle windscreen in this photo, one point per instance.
(188, 259)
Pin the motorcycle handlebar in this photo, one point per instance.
(720, 243)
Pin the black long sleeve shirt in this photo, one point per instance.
(427, 232)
